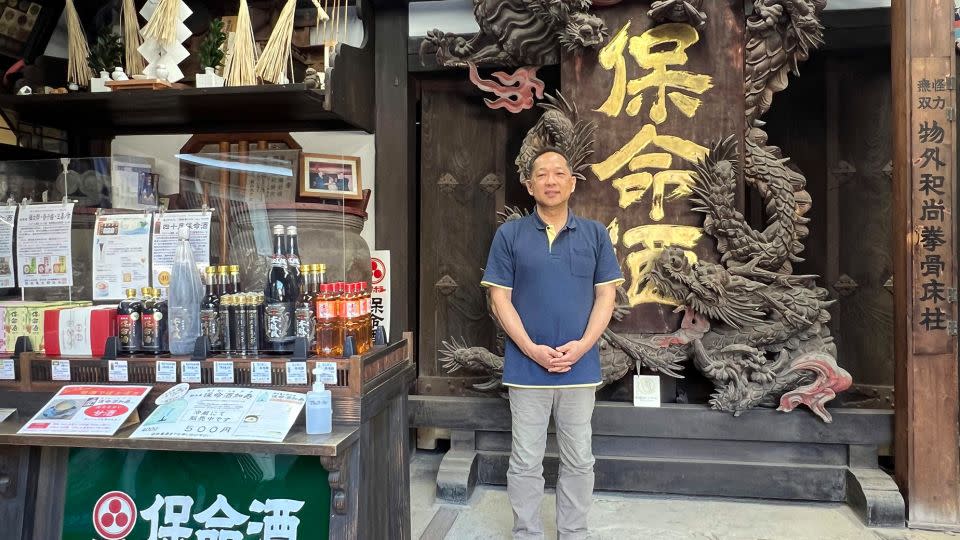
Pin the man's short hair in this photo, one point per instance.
(548, 150)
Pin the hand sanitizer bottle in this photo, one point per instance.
(319, 408)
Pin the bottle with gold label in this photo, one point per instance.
(210, 311)
(150, 323)
(304, 311)
(226, 323)
(234, 279)
(129, 329)
(223, 280)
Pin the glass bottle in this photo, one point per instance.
(305, 315)
(185, 292)
(210, 312)
(351, 316)
(253, 323)
(279, 297)
(239, 323)
(329, 329)
(226, 326)
(163, 321)
(223, 281)
(129, 324)
(366, 321)
(293, 256)
(321, 275)
(150, 337)
(234, 278)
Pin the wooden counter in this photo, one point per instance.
(366, 456)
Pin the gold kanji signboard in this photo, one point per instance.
(661, 95)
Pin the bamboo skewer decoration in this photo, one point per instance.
(78, 71)
(276, 54)
(241, 68)
(162, 25)
(131, 38)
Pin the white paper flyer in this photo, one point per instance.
(86, 410)
(121, 254)
(44, 257)
(166, 227)
(225, 414)
(8, 216)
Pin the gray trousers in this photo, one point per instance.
(530, 410)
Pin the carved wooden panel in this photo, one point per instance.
(462, 176)
(661, 95)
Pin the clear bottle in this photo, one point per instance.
(150, 323)
(319, 407)
(210, 312)
(280, 297)
(329, 326)
(129, 323)
(185, 292)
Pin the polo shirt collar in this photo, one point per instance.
(571, 220)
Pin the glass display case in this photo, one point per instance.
(274, 237)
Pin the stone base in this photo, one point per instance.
(686, 450)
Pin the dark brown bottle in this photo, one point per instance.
(233, 283)
(210, 312)
(293, 257)
(151, 323)
(306, 321)
(280, 296)
(129, 323)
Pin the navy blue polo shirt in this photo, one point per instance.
(552, 290)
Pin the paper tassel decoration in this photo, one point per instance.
(163, 55)
(78, 71)
(275, 60)
(241, 66)
(131, 38)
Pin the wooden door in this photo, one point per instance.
(462, 175)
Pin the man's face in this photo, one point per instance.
(550, 181)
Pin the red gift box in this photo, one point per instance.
(79, 331)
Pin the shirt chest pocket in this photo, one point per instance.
(583, 262)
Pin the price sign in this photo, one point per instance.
(223, 372)
(190, 372)
(166, 371)
(60, 369)
(118, 371)
(296, 373)
(260, 373)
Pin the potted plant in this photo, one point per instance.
(105, 55)
(211, 56)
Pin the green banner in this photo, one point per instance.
(117, 494)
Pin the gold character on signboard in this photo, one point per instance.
(653, 239)
(634, 186)
(656, 50)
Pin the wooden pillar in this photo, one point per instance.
(396, 208)
(925, 346)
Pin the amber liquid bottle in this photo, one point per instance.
(129, 329)
(329, 329)
(366, 321)
(351, 315)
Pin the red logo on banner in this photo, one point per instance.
(379, 270)
(108, 410)
(114, 515)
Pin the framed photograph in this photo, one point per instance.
(331, 177)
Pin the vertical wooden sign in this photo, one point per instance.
(932, 201)
(661, 95)
(924, 187)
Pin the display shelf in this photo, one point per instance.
(288, 107)
(297, 442)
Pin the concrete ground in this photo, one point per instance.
(623, 516)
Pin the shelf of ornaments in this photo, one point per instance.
(346, 103)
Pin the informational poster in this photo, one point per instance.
(166, 227)
(121, 254)
(44, 256)
(135, 185)
(225, 414)
(646, 391)
(380, 290)
(86, 410)
(8, 216)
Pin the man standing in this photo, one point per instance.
(552, 278)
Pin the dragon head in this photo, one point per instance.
(582, 31)
(672, 275)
